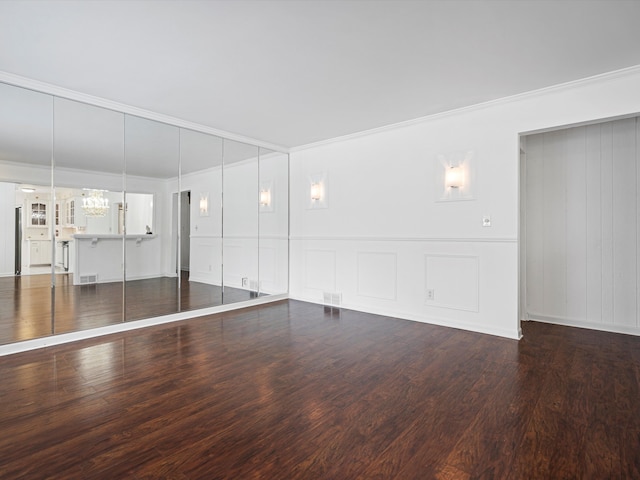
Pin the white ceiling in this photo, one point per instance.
(295, 72)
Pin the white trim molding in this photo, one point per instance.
(47, 88)
(62, 338)
(478, 106)
(348, 238)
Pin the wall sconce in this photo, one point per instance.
(316, 192)
(265, 197)
(454, 177)
(204, 204)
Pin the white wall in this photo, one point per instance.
(240, 224)
(139, 213)
(256, 238)
(384, 239)
(273, 224)
(7, 233)
(205, 236)
(582, 226)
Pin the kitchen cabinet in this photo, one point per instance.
(38, 212)
(70, 212)
(39, 252)
(74, 215)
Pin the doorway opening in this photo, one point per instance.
(579, 225)
(185, 230)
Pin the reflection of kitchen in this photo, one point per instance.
(75, 211)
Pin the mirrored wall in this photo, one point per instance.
(110, 217)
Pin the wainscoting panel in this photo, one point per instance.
(320, 267)
(206, 260)
(274, 265)
(240, 261)
(392, 276)
(377, 275)
(453, 281)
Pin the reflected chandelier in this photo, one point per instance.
(95, 205)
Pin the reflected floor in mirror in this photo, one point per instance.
(26, 303)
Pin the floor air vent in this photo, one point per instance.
(332, 299)
(88, 279)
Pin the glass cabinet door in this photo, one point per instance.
(38, 214)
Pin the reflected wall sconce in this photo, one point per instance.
(454, 177)
(204, 204)
(316, 192)
(265, 197)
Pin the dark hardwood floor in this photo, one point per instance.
(293, 391)
(30, 309)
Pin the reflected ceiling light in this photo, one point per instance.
(265, 197)
(28, 189)
(454, 177)
(95, 205)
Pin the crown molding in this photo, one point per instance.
(50, 89)
(635, 69)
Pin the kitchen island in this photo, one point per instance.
(99, 257)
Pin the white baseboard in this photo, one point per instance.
(62, 338)
(443, 322)
(574, 322)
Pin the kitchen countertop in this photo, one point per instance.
(85, 236)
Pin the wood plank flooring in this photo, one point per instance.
(30, 309)
(293, 391)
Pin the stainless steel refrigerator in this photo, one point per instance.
(18, 240)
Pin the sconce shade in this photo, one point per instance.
(316, 192)
(204, 204)
(265, 197)
(454, 177)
